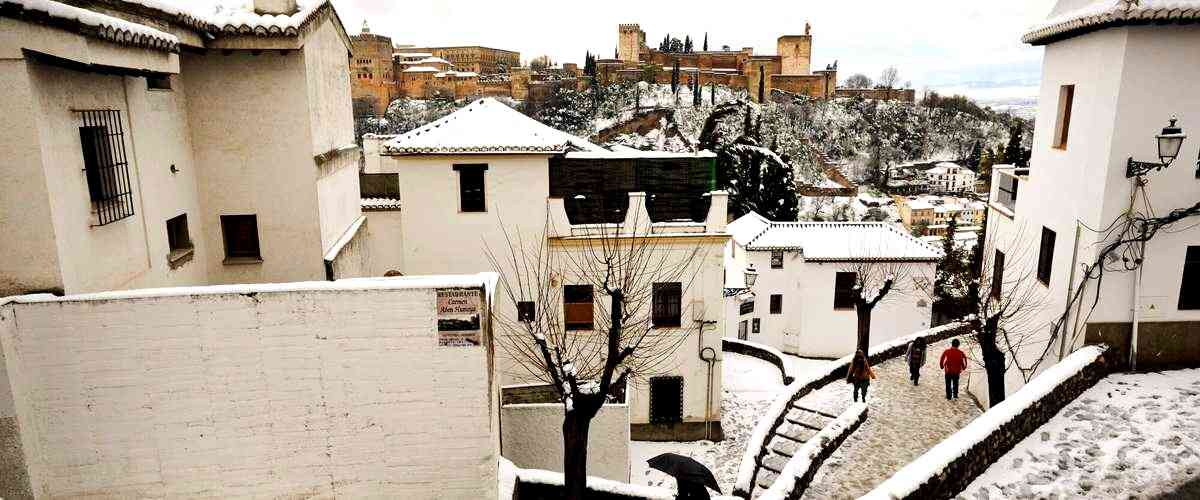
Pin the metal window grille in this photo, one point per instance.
(666, 400)
(102, 139)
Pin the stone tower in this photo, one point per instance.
(630, 39)
(795, 53)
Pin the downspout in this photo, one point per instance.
(1062, 345)
(1137, 309)
(708, 355)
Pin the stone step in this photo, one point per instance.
(765, 479)
(785, 447)
(806, 419)
(814, 411)
(796, 432)
(774, 462)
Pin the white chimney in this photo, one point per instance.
(284, 7)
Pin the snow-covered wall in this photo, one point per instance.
(531, 436)
(305, 389)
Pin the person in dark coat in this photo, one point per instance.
(953, 362)
(690, 490)
(916, 358)
(860, 374)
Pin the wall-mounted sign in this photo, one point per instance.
(458, 314)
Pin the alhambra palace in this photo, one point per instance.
(383, 71)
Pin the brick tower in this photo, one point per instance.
(630, 40)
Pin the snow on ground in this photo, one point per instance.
(1129, 436)
(749, 385)
(902, 423)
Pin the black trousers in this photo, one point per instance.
(951, 386)
(914, 373)
(861, 385)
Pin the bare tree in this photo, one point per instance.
(629, 336)
(858, 81)
(889, 78)
(540, 63)
(876, 279)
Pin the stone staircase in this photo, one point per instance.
(800, 425)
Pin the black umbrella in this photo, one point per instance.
(685, 470)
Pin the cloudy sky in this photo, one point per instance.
(964, 46)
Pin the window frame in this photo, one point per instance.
(1190, 274)
(591, 305)
(666, 305)
(843, 293)
(105, 165)
(755, 325)
(776, 259)
(240, 256)
(179, 241)
(464, 171)
(997, 288)
(1062, 125)
(161, 82)
(776, 305)
(1045, 266)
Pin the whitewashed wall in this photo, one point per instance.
(809, 325)
(318, 391)
(532, 439)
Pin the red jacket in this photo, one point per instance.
(953, 361)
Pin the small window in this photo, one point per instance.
(666, 400)
(843, 290)
(577, 307)
(158, 81)
(776, 304)
(997, 274)
(241, 238)
(666, 304)
(525, 310)
(776, 259)
(755, 325)
(471, 196)
(746, 307)
(742, 330)
(102, 142)
(1189, 287)
(1066, 98)
(1046, 256)
(178, 241)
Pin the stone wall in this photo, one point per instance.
(1161, 344)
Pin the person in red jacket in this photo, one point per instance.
(954, 362)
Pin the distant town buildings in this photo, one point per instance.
(949, 177)
(477, 59)
(929, 214)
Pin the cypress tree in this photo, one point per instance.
(705, 42)
(712, 93)
(762, 84)
(687, 43)
(675, 77)
(1014, 153)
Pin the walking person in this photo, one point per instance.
(953, 362)
(916, 359)
(860, 374)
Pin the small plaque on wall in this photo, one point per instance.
(458, 321)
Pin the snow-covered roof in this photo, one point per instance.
(1100, 14)
(747, 227)
(380, 204)
(486, 126)
(842, 241)
(631, 153)
(92, 23)
(421, 69)
(433, 60)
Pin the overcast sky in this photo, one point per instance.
(967, 46)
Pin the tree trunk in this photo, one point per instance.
(864, 327)
(575, 443)
(993, 361)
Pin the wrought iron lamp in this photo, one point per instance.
(1169, 143)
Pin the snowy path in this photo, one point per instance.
(1129, 436)
(903, 422)
(749, 387)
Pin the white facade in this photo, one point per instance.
(437, 236)
(328, 389)
(949, 177)
(1072, 189)
(248, 125)
(807, 322)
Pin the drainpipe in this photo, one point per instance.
(708, 355)
(1137, 309)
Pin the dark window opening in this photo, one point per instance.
(178, 241)
(102, 142)
(158, 81)
(742, 330)
(997, 274)
(525, 310)
(241, 237)
(1066, 101)
(843, 290)
(755, 325)
(777, 259)
(776, 304)
(1189, 287)
(746, 307)
(666, 304)
(1046, 256)
(577, 307)
(666, 400)
(471, 190)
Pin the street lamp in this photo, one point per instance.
(751, 275)
(1169, 143)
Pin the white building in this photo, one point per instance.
(949, 177)
(1093, 118)
(486, 170)
(802, 299)
(154, 145)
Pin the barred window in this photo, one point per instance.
(102, 141)
(667, 304)
(776, 259)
